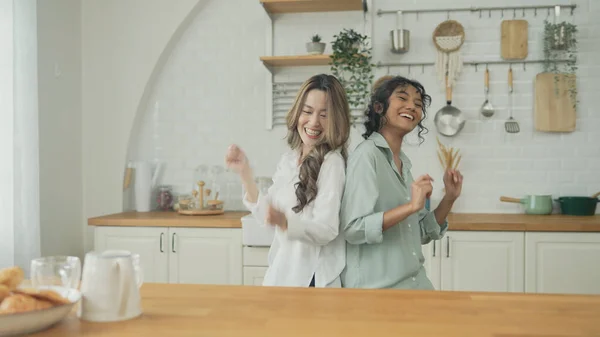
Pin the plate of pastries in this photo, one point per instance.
(25, 309)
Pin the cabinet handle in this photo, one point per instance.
(447, 246)
(434, 248)
(161, 242)
(173, 243)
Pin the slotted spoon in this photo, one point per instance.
(511, 124)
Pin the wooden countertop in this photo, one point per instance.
(523, 222)
(169, 219)
(456, 221)
(209, 310)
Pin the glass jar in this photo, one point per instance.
(164, 198)
(185, 202)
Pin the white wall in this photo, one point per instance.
(211, 93)
(59, 79)
(122, 42)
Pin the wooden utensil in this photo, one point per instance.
(554, 111)
(513, 44)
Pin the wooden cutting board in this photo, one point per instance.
(513, 44)
(553, 110)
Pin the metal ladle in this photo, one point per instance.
(487, 110)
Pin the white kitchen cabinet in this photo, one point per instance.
(205, 256)
(150, 242)
(477, 261)
(483, 261)
(562, 263)
(179, 255)
(254, 276)
(255, 265)
(431, 253)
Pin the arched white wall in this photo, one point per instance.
(122, 43)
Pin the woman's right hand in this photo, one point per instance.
(236, 160)
(420, 190)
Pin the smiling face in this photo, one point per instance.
(313, 119)
(405, 109)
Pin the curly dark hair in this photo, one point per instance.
(381, 98)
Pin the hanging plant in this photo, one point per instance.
(351, 64)
(560, 43)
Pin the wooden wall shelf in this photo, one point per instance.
(299, 6)
(296, 61)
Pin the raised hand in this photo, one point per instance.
(420, 190)
(453, 180)
(236, 160)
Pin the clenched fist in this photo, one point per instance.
(236, 160)
(420, 190)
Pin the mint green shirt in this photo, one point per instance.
(374, 258)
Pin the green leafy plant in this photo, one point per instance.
(560, 43)
(316, 38)
(351, 64)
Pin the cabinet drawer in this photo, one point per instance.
(256, 256)
(254, 276)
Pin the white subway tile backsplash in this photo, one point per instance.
(212, 93)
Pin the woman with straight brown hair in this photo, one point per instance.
(304, 201)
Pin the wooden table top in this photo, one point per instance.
(456, 221)
(209, 310)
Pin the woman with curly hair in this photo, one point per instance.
(382, 215)
(304, 201)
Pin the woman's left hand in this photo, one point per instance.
(276, 218)
(453, 183)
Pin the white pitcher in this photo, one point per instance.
(145, 181)
(110, 286)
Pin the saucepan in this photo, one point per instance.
(574, 205)
(534, 204)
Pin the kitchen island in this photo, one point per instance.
(212, 310)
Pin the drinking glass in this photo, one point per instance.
(64, 271)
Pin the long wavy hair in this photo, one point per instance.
(380, 99)
(335, 136)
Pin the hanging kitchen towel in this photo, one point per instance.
(448, 37)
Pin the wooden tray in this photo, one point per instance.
(201, 212)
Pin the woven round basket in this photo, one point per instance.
(449, 36)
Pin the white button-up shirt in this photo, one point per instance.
(312, 244)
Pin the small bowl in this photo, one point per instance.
(214, 205)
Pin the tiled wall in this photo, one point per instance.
(211, 93)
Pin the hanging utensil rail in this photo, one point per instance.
(471, 63)
(479, 9)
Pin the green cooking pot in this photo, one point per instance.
(583, 206)
(534, 204)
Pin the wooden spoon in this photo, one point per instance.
(596, 195)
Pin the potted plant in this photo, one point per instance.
(560, 43)
(351, 64)
(315, 47)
